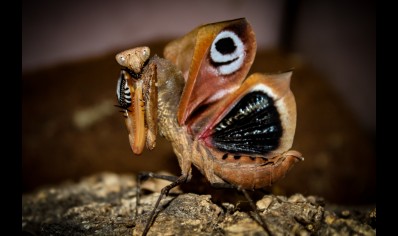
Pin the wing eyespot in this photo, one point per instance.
(227, 52)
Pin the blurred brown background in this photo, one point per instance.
(71, 129)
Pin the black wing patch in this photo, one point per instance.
(253, 126)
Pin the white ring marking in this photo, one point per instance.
(236, 57)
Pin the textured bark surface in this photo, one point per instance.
(104, 204)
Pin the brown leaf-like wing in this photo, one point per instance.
(214, 59)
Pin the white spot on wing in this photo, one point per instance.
(221, 93)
